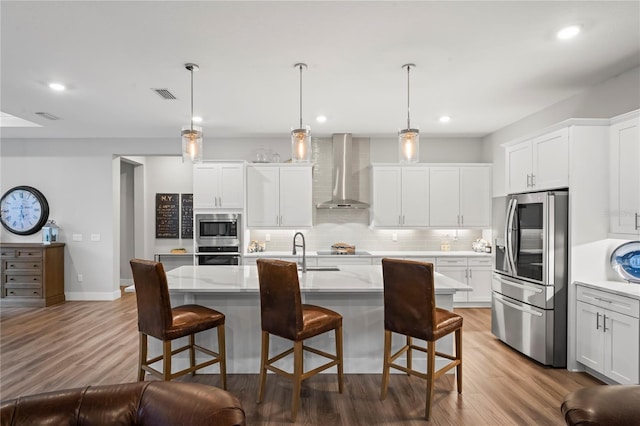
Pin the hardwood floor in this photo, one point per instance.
(91, 343)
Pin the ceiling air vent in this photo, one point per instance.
(47, 116)
(164, 93)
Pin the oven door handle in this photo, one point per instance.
(518, 285)
(518, 307)
(217, 253)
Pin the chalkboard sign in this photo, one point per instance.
(167, 215)
(186, 219)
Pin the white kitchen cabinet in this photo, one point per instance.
(608, 334)
(218, 186)
(279, 196)
(624, 149)
(460, 196)
(400, 196)
(538, 163)
(475, 272)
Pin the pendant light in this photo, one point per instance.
(408, 139)
(301, 137)
(192, 135)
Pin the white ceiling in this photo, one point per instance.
(487, 64)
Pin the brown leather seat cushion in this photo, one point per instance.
(317, 320)
(446, 322)
(615, 405)
(143, 403)
(190, 319)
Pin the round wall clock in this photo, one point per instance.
(23, 210)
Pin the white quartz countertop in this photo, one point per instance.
(378, 253)
(621, 288)
(241, 279)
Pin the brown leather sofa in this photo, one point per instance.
(606, 405)
(155, 403)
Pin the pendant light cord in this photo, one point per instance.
(408, 98)
(300, 66)
(191, 99)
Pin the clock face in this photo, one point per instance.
(23, 210)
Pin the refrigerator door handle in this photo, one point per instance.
(518, 285)
(509, 229)
(518, 307)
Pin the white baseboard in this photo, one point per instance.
(92, 295)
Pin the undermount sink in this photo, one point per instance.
(321, 268)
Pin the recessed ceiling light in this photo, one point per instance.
(445, 119)
(197, 119)
(56, 86)
(568, 32)
(321, 119)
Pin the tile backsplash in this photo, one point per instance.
(352, 226)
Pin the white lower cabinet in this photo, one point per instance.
(608, 334)
(475, 272)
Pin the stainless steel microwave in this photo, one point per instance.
(217, 229)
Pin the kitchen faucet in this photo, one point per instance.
(304, 250)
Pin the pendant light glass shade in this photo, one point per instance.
(408, 139)
(301, 137)
(192, 135)
(192, 143)
(409, 145)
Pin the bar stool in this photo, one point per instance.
(410, 310)
(156, 318)
(283, 314)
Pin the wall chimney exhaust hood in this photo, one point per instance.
(343, 188)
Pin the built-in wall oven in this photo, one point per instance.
(218, 238)
(529, 285)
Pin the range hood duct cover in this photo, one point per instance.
(343, 188)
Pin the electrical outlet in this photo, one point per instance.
(76, 237)
(80, 278)
(394, 237)
(95, 237)
(267, 237)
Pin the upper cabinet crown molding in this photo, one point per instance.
(563, 124)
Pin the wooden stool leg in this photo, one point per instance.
(264, 356)
(431, 360)
(297, 378)
(192, 352)
(409, 355)
(222, 353)
(166, 359)
(340, 357)
(142, 356)
(459, 357)
(385, 363)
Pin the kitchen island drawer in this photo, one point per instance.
(482, 261)
(7, 253)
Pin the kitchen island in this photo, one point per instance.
(354, 291)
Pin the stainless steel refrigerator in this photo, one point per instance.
(529, 285)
